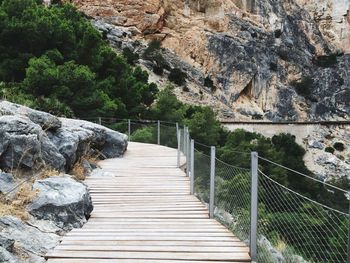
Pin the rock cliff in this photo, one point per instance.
(276, 60)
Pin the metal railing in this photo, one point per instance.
(278, 223)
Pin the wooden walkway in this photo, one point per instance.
(143, 212)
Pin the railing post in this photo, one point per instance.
(158, 133)
(188, 153)
(348, 259)
(100, 120)
(178, 134)
(129, 129)
(184, 142)
(192, 168)
(254, 207)
(212, 182)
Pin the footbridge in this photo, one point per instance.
(144, 212)
(170, 199)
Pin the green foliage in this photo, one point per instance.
(53, 54)
(304, 87)
(177, 76)
(153, 53)
(329, 149)
(130, 56)
(325, 61)
(168, 107)
(208, 82)
(339, 146)
(203, 126)
(145, 135)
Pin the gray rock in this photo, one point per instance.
(72, 143)
(26, 145)
(109, 143)
(45, 120)
(7, 182)
(315, 144)
(7, 257)
(270, 253)
(29, 239)
(6, 243)
(62, 200)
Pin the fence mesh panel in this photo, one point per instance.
(168, 136)
(201, 176)
(145, 132)
(120, 126)
(293, 228)
(233, 198)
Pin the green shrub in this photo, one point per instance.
(59, 61)
(278, 33)
(304, 87)
(177, 76)
(325, 61)
(145, 135)
(329, 149)
(339, 146)
(130, 56)
(208, 82)
(153, 47)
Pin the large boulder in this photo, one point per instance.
(7, 257)
(109, 143)
(7, 182)
(32, 139)
(62, 200)
(24, 144)
(30, 242)
(45, 120)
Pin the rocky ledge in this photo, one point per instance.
(33, 139)
(32, 142)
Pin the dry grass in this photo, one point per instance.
(17, 206)
(79, 171)
(48, 172)
(93, 159)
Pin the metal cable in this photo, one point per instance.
(302, 174)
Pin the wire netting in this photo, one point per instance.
(294, 228)
(168, 136)
(120, 126)
(233, 198)
(144, 131)
(201, 175)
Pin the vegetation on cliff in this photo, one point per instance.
(52, 58)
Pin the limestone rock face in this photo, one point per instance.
(332, 17)
(62, 200)
(252, 50)
(147, 16)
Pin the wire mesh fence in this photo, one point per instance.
(202, 175)
(296, 228)
(168, 135)
(293, 226)
(233, 198)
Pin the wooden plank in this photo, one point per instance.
(188, 249)
(143, 212)
(85, 260)
(149, 255)
(198, 243)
